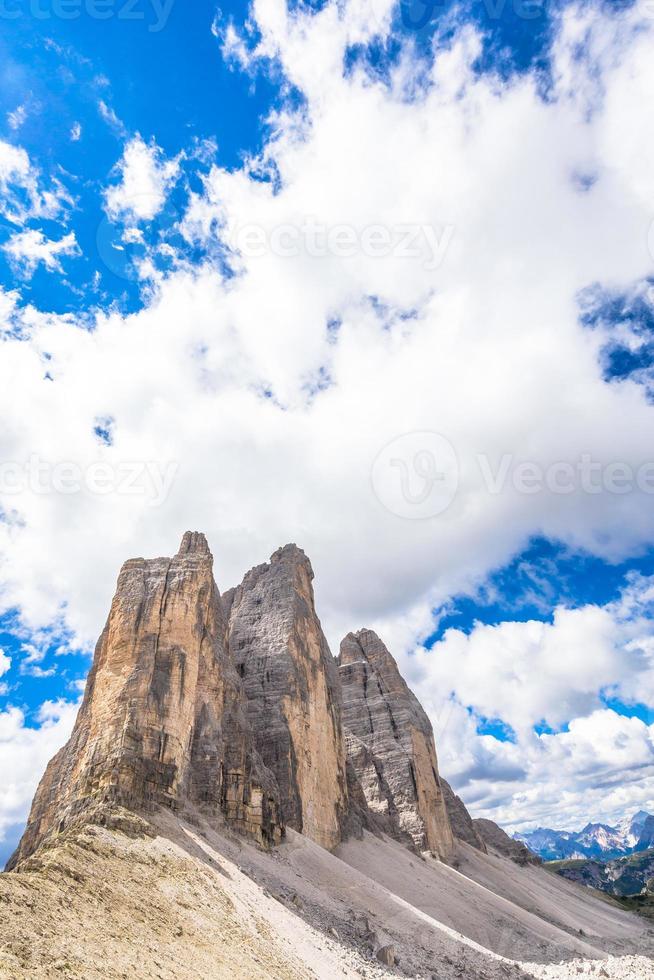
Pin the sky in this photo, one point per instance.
(374, 278)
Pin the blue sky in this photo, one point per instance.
(258, 391)
(158, 70)
(158, 75)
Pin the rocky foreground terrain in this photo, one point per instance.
(233, 802)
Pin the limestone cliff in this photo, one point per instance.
(292, 686)
(463, 826)
(390, 743)
(163, 719)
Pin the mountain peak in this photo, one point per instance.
(193, 543)
(390, 745)
(596, 840)
(163, 716)
(291, 553)
(291, 685)
(365, 645)
(591, 828)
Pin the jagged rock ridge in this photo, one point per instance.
(164, 721)
(235, 704)
(163, 718)
(390, 743)
(499, 842)
(293, 691)
(597, 840)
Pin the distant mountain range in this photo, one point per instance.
(597, 840)
(626, 877)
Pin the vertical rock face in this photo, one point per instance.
(292, 686)
(390, 743)
(463, 826)
(235, 704)
(163, 717)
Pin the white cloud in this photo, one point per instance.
(600, 768)
(32, 654)
(493, 668)
(110, 117)
(22, 194)
(232, 46)
(29, 249)
(30, 662)
(76, 132)
(24, 753)
(525, 674)
(15, 169)
(205, 351)
(5, 663)
(145, 178)
(274, 390)
(38, 672)
(14, 162)
(17, 117)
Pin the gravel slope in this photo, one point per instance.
(183, 902)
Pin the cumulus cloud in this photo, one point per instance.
(283, 383)
(406, 256)
(5, 666)
(145, 178)
(14, 162)
(548, 682)
(22, 191)
(29, 249)
(574, 657)
(25, 751)
(599, 768)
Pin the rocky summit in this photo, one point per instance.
(164, 715)
(293, 695)
(391, 745)
(235, 704)
(235, 803)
